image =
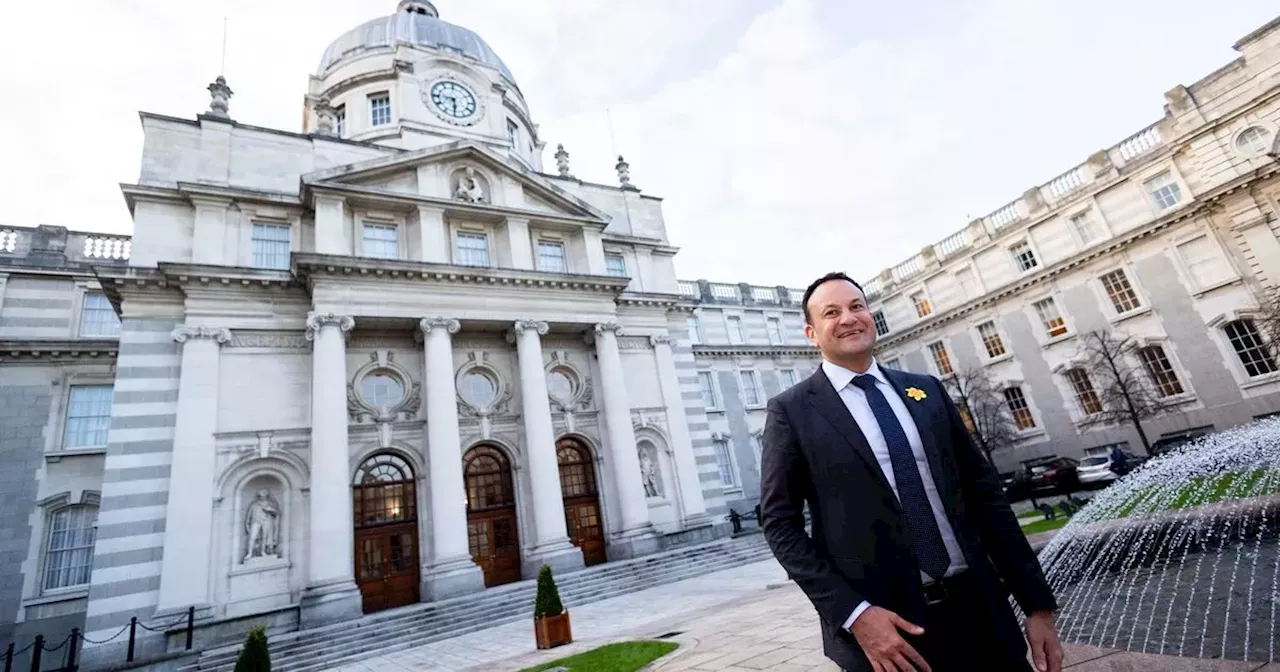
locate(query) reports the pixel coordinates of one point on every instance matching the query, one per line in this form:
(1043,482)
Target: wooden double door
(581,500)
(492,528)
(385,511)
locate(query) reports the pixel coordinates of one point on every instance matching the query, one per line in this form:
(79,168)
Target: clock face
(453,99)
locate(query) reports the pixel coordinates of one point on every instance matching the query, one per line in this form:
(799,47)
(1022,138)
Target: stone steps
(407,627)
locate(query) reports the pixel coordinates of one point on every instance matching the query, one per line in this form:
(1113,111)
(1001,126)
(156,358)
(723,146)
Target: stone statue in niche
(469,187)
(649,472)
(262,527)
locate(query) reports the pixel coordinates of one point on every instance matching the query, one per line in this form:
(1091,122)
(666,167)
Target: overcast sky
(788,137)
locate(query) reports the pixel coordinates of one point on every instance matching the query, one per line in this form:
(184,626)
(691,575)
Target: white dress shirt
(855,399)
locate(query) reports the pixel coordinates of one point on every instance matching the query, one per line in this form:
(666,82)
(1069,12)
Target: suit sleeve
(784,486)
(1001,535)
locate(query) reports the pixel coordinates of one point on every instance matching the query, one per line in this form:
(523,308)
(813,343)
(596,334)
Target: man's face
(842,326)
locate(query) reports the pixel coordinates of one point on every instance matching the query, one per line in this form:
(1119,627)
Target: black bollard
(73,648)
(8,658)
(133,633)
(758,515)
(736,519)
(191,624)
(37,650)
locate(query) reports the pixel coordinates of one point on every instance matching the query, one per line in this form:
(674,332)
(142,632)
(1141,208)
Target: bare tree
(1123,392)
(982,405)
(1267,321)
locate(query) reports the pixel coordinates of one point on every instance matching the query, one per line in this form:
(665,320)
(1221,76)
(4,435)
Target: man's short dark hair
(813,287)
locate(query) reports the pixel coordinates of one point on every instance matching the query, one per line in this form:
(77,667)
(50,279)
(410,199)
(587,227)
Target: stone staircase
(407,627)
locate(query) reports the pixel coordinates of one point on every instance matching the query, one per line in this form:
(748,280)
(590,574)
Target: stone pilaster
(693,509)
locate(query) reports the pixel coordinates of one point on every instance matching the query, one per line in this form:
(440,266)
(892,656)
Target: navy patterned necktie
(925,536)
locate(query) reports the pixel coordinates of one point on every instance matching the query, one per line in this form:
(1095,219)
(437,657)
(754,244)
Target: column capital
(601,327)
(661,339)
(523,325)
(315,321)
(450,325)
(185,333)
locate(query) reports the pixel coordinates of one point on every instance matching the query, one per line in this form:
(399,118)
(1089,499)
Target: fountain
(1182,556)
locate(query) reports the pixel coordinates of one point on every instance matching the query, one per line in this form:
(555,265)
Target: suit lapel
(824,398)
(920,414)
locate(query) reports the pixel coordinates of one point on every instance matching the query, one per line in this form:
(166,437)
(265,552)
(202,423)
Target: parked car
(1096,471)
(1015,484)
(1053,474)
(1170,442)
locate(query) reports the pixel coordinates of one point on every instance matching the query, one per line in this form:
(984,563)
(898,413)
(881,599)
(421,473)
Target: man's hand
(877,633)
(1043,638)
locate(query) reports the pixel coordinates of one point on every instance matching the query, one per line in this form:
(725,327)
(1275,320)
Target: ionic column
(331,592)
(451,571)
(552,545)
(622,438)
(693,507)
(184,568)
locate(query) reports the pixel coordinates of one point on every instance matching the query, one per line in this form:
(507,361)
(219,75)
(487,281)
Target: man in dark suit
(913,549)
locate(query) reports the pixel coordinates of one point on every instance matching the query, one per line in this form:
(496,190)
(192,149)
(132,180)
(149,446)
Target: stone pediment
(460,173)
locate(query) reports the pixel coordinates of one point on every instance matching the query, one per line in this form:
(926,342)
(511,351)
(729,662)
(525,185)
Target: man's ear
(810,334)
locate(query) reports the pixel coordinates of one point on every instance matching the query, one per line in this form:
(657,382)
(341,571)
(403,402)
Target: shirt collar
(840,377)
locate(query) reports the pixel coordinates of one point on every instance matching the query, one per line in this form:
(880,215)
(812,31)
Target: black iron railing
(74,642)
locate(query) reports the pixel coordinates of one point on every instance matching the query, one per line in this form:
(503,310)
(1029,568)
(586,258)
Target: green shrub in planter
(548,602)
(254,657)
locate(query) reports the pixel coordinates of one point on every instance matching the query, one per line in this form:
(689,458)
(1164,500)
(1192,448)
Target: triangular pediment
(461,172)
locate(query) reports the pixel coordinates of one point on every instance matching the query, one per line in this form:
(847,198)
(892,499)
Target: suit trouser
(960,635)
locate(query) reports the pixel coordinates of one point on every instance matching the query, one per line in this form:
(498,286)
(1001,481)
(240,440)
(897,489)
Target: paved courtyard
(748,618)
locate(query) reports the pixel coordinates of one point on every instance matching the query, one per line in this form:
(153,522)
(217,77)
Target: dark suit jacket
(860,548)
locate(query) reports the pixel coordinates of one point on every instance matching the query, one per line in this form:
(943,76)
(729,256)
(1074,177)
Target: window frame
(894,363)
(1093,217)
(1153,194)
(754,376)
(622,261)
(549,243)
(997,335)
(921,302)
(1261,344)
(773,330)
(1139,306)
(373,98)
(940,356)
(1251,152)
(881,323)
(394,227)
(61,441)
(729,321)
(256,225)
(64,506)
(791,374)
(340,120)
(85,294)
(1028,251)
(1088,403)
(1045,332)
(1172,370)
(1026,403)
(460,233)
(729,465)
(693,325)
(714,389)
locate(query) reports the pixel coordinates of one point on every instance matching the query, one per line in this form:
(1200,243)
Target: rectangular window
(1204,262)
(379,109)
(381,241)
(736,336)
(340,120)
(787,377)
(271,246)
(991,339)
(1247,343)
(921,302)
(694,325)
(968,285)
(1086,396)
(1054,325)
(941,359)
(775,330)
(709,398)
(1023,256)
(1017,403)
(615,265)
(473,249)
(1121,293)
(97,317)
(724,460)
(882,325)
(1160,369)
(1164,191)
(88,416)
(551,257)
(513,133)
(1086,229)
(750,390)
(69,560)
(895,364)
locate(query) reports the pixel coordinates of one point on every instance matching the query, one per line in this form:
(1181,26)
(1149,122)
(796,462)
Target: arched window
(488,477)
(383,491)
(577,479)
(69,558)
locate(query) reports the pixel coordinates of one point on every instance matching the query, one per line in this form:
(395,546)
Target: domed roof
(415,22)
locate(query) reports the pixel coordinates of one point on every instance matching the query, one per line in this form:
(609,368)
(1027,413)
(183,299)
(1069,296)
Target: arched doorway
(385,509)
(491,515)
(581,500)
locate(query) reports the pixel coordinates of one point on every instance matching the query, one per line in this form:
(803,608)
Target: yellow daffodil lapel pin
(916,393)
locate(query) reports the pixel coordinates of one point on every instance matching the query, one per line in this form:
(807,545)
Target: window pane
(991,339)
(380,389)
(709,399)
(735,331)
(1024,257)
(1017,404)
(473,249)
(1254,140)
(340,113)
(775,331)
(1249,347)
(1052,320)
(750,392)
(615,265)
(381,241)
(1161,371)
(478,389)
(551,257)
(271,246)
(1085,228)
(724,460)
(1121,293)
(941,359)
(695,329)
(97,317)
(882,325)
(69,557)
(788,378)
(1086,396)
(88,416)
(1164,191)
(923,309)
(379,110)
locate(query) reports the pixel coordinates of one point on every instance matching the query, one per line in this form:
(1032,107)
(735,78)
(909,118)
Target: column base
(329,603)
(451,578)
(561,556)
(635,543)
